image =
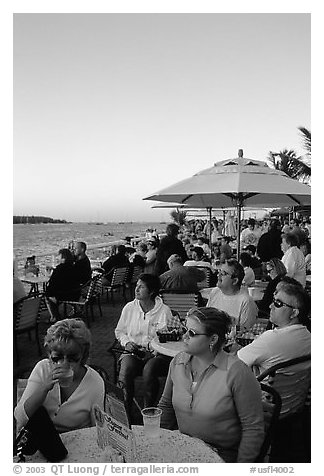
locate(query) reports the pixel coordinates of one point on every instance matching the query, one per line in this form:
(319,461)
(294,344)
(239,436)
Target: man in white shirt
(293,258)
(228,296)
(290,338)
(251,234)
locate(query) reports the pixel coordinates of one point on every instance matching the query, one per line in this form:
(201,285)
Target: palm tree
(179,216)
(307,139)
(287,161)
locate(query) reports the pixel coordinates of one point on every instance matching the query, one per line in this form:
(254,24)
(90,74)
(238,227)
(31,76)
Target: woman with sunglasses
(211,395)
(276,270)
(67,343)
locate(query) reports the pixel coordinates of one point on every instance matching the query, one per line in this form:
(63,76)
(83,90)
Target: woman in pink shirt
(211,395)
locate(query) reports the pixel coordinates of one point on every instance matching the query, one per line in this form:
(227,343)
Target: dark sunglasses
(277,303)
(192,332)
(70,358)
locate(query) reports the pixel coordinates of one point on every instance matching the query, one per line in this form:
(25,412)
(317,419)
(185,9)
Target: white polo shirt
(276,346)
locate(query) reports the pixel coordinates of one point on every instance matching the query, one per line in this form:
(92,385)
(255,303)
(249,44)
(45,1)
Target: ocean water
(29,239)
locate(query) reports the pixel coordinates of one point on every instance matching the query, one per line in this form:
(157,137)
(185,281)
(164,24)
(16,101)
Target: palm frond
(306,138)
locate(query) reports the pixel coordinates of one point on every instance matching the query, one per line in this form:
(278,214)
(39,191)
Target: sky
(109,108)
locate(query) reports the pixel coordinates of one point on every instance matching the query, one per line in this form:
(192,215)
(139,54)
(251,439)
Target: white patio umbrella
(238,182)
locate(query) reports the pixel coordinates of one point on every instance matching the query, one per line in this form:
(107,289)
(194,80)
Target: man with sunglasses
(230,297)
(290,338)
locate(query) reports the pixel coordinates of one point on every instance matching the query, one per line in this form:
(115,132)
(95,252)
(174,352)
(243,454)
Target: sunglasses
(192,333)
(74,358)
(277,303)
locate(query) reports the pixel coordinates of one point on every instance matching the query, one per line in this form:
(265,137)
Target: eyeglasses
(73,358)
(222,272)
(192,332)
(277,303)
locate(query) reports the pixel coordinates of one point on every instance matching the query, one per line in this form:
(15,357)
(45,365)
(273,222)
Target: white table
(169,447)
(167,348)
(34,282)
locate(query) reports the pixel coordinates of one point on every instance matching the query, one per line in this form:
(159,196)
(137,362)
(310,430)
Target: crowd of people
(210,392)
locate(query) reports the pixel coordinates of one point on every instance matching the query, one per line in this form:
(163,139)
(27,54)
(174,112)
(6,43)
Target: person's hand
(131,347)
(51,379)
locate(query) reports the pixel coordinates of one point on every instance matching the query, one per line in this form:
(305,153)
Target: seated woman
(63,284)
(68,344)
(276,271)
(306,250)
(137,326)
(209,394)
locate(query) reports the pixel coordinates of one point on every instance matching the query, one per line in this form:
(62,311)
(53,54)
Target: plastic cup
(151,421)
(65,379)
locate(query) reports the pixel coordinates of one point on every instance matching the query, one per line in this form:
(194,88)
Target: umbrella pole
(210,231)
(239,208)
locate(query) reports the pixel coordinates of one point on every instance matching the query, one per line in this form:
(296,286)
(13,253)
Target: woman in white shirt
(136,328)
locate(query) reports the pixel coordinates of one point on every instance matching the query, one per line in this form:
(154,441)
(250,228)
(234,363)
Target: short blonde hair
(68,330)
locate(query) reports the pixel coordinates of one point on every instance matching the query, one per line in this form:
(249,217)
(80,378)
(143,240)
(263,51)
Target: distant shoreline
(63,222)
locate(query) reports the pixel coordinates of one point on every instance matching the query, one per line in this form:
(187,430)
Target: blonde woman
(70,407)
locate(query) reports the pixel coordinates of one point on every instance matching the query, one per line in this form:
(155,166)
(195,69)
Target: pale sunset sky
(112,107)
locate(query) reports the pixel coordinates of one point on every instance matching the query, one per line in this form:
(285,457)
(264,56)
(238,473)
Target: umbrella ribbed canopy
(250,181)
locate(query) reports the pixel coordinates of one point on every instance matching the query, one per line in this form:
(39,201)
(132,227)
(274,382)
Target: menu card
(114,404)
(113,428)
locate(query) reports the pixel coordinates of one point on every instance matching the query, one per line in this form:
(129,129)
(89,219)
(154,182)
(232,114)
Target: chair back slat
(119,277)
(95,287)
(206,282)
(180,302)
(137,271)
(26,313)
(291,379)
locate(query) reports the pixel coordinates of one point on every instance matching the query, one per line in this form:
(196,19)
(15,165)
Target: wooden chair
(133,278)
(26,314)
(271,403)
(19,387)
(179,301)
(90,296)
(291,379)
(118,281)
